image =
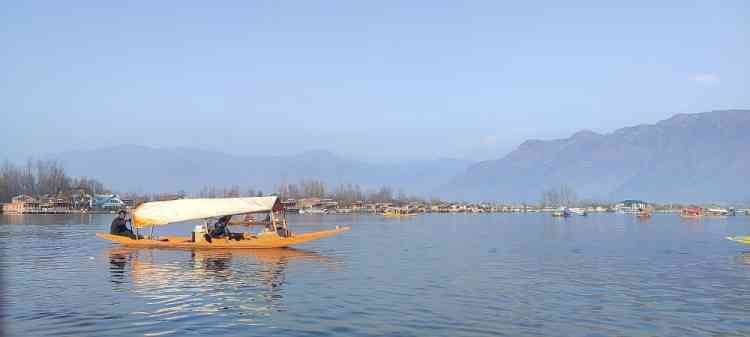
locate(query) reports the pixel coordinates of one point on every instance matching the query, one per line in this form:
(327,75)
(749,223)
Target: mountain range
(141,169)
(701,157)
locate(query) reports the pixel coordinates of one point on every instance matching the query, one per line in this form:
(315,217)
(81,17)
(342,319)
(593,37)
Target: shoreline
(740,212)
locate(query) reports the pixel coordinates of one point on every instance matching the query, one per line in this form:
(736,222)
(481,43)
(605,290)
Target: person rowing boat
(119,226)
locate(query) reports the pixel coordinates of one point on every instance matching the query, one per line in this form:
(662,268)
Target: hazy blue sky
(382,80)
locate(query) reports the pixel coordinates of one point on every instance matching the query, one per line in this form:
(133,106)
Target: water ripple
(457,275)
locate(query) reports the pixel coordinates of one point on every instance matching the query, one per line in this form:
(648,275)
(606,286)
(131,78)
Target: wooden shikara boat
(275,234)
(644,212)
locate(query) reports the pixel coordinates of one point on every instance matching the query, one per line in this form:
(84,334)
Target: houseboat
(691,212)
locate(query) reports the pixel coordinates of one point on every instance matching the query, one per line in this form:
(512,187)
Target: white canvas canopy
(166,212)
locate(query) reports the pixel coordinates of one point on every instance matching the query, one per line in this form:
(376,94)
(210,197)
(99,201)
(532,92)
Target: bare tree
(560,196)
(42,178)
(233,192)
(313,188)
(51,178)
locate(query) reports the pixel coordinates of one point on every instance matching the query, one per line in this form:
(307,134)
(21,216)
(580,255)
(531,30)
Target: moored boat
(691,212)
(646,213)
(314,211)
(578,211)
(631,206)
(562,212)
(292,210)
(397,213)
(715,212)
(275,233)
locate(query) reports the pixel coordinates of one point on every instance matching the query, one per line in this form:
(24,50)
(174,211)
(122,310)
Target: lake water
(433,275)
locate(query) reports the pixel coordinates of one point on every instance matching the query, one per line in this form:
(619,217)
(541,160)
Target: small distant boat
(698,212)
(314,211)
(644,212)
(740,239)
(715,212)
(276,233)
(292,210)
(562,212)
(397,213)
(691,212)
(578,211)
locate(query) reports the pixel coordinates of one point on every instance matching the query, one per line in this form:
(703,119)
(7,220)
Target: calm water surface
(434,275)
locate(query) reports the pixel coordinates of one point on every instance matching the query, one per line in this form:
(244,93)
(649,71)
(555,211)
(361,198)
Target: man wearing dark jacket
(119,226)
(220,227)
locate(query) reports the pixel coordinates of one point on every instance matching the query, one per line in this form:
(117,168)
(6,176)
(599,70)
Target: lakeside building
(54,204)
(21,204)
(315,204)
(25,204)
(80,200)
(328,204)
(305,203)
(107,202)
(75,202)
(357,206)
(290,205)
(631,206)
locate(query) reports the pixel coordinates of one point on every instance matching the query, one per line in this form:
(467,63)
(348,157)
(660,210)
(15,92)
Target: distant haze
(377,81)
(700,157)
(131,168)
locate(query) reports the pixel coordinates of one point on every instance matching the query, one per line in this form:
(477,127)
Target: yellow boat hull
(740,239)
(268,240)
(398,215)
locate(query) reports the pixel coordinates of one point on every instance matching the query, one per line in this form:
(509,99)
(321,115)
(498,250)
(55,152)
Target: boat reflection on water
(643,219)
(743,258)
(245,283)
(118,262)
(695,225)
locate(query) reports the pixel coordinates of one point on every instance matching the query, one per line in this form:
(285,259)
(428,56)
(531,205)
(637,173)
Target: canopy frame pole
(130,220)
(133,227)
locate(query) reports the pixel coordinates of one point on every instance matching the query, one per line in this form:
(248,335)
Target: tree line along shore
(43,186)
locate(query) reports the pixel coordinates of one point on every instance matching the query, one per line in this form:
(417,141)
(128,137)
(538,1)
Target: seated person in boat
(270,225)
(281,228)
(220,228)
(119,226)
